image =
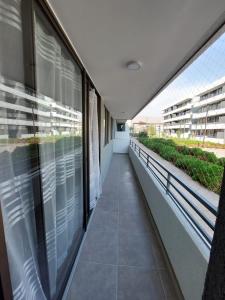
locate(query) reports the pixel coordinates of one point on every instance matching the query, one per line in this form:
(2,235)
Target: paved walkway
(218,152)
(121,257)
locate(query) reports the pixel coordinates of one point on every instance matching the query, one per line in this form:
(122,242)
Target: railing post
(147,161)
(135,147)
(139,152)
(168,183)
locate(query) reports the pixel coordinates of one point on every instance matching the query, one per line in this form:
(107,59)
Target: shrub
(183,149)
(208,174)
(222,161)
(201,166)
(142,134)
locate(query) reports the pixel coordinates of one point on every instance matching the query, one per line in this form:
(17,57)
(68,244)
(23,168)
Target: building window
(212,93)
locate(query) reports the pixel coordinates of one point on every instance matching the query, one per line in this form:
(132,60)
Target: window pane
(58,117)
(18,157)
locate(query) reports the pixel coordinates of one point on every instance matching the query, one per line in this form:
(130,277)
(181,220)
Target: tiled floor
(121,258)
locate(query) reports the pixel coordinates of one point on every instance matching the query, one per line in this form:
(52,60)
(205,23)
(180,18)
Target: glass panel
(18,157)
(58,118)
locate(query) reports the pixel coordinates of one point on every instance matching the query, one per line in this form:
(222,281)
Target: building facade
(201,117)
(150,128)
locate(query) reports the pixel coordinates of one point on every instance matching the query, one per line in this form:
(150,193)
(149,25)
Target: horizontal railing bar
(202,200)
(146,158)
(164,176)
(208,222)
(190,220)
(180,206)
(157,177)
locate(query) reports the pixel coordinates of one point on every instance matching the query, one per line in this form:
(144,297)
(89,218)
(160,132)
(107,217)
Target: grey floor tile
(139,284)
(135,221)
(108,203)
(109,191)
(121,257)
(104,220)
(100,246)
(132,205)
(135,249)
(93,282)
(124,193)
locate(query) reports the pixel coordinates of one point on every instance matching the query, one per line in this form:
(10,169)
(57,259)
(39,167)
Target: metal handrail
(154,166)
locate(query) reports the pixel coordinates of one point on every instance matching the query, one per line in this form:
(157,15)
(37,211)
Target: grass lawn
(195,143)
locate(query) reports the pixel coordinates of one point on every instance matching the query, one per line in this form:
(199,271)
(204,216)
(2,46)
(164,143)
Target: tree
(151,130)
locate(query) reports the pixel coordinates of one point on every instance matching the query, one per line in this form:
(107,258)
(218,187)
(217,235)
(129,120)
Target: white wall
(186,251)
(121,142)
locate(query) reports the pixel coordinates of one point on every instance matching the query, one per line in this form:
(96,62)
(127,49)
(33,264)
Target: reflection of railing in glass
(58,132)
(60,120)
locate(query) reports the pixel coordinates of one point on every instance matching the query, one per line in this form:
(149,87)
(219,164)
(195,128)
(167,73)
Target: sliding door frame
(99,109)
(30,83)
(65,271)
(5,281)
(86,177)
(27,11)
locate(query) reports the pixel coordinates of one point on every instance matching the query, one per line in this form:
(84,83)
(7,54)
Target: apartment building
(208,118)
(201,117)
(148,127)
(177,118)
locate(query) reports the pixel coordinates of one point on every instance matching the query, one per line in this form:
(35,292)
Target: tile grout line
(157,270)
(124,265)
(118,187)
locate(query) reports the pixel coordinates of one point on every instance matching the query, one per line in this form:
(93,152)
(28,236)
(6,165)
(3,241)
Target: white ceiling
(162,34)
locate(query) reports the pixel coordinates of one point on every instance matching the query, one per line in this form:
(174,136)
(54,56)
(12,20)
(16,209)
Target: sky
(207,68)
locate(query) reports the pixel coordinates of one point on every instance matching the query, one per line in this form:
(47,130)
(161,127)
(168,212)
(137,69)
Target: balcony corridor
(121,257)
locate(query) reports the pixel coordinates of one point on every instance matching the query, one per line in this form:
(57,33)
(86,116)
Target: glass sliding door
(41,154)
(18,160)
(58,119)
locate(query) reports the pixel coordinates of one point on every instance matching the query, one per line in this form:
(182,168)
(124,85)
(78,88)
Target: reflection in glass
(17,152)
(58,119)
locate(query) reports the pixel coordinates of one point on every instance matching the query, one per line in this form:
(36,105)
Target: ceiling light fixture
(134,65)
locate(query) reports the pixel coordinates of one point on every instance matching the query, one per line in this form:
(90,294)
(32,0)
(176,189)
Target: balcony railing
(197,210)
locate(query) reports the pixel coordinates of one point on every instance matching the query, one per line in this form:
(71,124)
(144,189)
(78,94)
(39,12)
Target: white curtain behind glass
(16,172)
(95,178)
(17,203)
(59,79)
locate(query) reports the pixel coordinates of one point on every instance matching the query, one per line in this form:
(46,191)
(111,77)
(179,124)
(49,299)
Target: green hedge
(202,166)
